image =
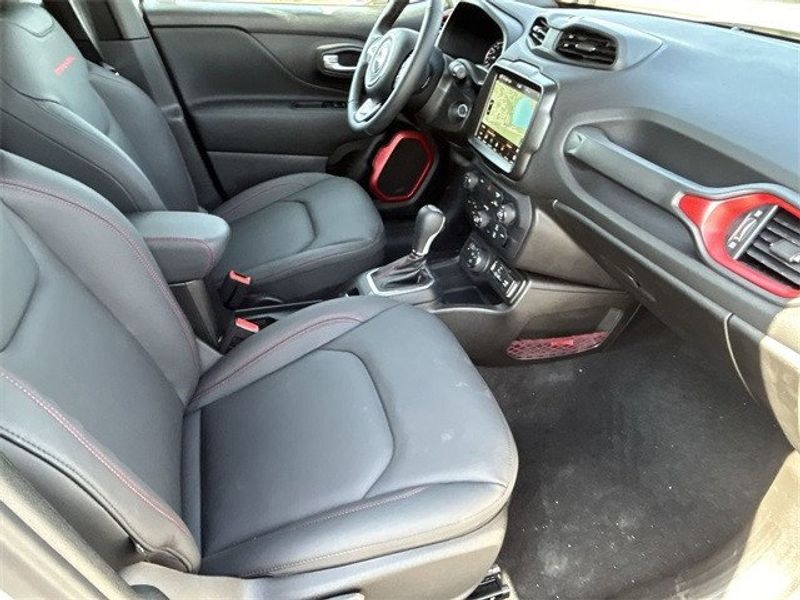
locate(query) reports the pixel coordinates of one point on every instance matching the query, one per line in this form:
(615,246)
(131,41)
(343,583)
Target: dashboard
(667,150)
(471,33)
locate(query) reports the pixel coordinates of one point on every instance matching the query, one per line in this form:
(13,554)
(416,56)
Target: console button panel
(503,279)
(500,217)
(475,258)
(482,263)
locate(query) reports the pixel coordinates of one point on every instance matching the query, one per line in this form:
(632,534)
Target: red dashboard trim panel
(714,219)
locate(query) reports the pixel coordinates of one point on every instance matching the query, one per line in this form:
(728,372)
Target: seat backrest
(80,119)
(97,363)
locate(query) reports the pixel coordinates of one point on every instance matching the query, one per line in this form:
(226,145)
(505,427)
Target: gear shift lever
(410,269)
(430,222)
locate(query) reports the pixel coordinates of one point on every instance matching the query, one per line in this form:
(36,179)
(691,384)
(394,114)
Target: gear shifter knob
(430,222)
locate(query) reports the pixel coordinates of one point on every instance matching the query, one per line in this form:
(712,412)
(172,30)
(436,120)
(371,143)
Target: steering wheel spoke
(368,109)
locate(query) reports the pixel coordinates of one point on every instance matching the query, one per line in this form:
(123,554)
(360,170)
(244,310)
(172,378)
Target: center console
(501,221)
(504,295)
(519,288)
(515,102)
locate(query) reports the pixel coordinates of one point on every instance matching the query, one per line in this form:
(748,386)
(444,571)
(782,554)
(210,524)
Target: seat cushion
(356,428)
(301,235)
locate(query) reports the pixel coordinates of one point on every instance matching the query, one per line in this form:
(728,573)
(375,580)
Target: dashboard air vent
(587,46)
(776,249)
(538,31)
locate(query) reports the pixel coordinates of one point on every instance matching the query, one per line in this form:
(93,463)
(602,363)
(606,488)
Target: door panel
(254,84)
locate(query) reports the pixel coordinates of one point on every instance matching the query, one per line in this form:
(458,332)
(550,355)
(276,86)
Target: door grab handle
(331,62)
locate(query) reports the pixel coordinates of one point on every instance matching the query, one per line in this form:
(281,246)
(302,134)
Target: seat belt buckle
(239,329)
(234,289)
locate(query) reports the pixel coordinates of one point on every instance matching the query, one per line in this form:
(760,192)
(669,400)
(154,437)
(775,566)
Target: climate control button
(471,181)
(506,214)
(481,219)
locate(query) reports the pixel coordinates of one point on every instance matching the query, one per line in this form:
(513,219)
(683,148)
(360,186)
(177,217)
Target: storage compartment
(464,295)
(679,153)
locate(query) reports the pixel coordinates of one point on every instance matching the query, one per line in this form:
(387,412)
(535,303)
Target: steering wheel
(391,67)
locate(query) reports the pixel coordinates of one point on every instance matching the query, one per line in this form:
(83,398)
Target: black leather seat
(297,236)
(352,446)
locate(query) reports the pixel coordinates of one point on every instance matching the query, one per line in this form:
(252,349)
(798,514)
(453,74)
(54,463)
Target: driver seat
(298,237)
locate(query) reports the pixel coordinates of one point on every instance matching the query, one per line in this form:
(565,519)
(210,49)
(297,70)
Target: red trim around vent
(714,219)
(382,158)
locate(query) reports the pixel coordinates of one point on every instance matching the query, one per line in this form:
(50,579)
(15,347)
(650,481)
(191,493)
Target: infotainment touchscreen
(507,117)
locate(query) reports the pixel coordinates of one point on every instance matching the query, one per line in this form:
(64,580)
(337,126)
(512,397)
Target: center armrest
(186,245)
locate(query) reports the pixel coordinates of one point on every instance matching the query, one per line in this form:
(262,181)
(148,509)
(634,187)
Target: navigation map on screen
(508,116)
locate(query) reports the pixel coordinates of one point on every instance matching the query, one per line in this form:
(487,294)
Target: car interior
(342,300)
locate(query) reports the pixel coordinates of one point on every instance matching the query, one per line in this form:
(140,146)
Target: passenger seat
(351,447)
(299,237)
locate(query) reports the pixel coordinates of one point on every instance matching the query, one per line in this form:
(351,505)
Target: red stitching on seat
(96,452)
(264,352)
(228,210)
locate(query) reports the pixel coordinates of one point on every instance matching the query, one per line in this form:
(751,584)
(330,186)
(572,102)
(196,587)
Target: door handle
(331,62)
(338,60)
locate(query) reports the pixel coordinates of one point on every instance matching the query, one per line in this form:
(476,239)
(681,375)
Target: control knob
(506,214)
(476,259)
(471,181)
(481,219)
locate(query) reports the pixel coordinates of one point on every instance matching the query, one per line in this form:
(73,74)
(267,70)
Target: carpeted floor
(634,464)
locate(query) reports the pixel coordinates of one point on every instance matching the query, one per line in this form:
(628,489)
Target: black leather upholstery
(355,429)
(97,365)
(186,245)
(312,232)
(97,127)
(395,441)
